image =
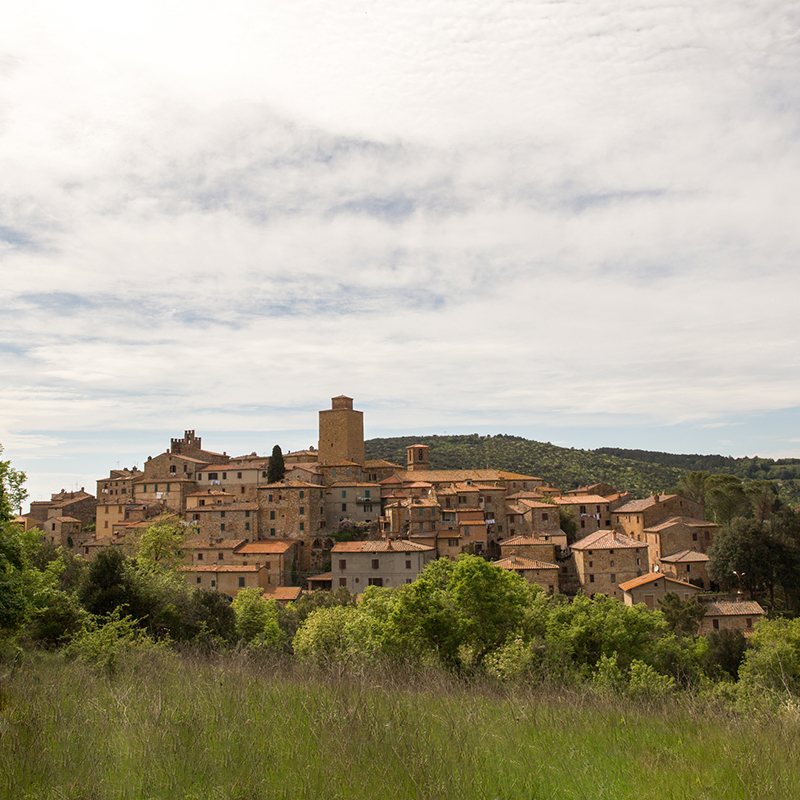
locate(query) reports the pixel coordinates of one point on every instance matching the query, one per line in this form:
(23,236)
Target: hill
(640,472)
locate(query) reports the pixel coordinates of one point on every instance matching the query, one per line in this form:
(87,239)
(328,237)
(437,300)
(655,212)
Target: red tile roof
(607,540)
(654,576)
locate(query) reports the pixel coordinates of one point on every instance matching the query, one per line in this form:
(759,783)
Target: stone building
(357,565)
(539,573)
(651,588)
(605,559)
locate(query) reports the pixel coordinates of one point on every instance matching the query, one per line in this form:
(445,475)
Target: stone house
(651,588)
(687,565)
(605,559)
(276,557)
(228,580)
(225,520)
(634,516)
(357,565)
(742,615)
(676,534)
(539,573)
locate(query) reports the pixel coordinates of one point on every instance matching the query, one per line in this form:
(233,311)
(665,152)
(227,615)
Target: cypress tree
(277,469)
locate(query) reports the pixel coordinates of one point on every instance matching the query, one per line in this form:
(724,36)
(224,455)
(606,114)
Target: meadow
(248,726)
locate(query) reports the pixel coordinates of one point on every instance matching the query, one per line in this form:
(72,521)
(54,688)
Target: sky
(574,222)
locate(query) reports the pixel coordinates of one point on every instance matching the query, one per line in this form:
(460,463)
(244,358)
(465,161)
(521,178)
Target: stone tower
(418,458)
(341,433)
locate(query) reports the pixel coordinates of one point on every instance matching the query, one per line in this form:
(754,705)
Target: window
(213,582)
(241,582)
(367,508)
(239,475)
(583,509)
(408,563)
(199,556)
(488,498)
(694,537)
(591,563)
(342,581)
(344,493)
(716,624)
(376,563)
(172,469)
(263,474)
(302,510)
(613,577)
(348,473)
(241,490)
(302,526)
(224,476)
(583,523)
(270,498)
(302,493)
(545,517)
(221,556)
(246,514)
(222,514)
(212,476)
(375,581)
(106,507)
(272,531)
(342,564)
(105,525)
(591,579)
(247,526)
(272,514)
(748,622)
(612,562)
(462,499)
(198,579)
(344,506)
(366,494)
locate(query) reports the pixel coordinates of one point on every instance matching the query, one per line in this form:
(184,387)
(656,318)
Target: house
(228,580)
(357,565)
(634,516)
(676,534)
(687,565)
(604,559)
(651,588)
(539,573)
(277,557)
(741,615)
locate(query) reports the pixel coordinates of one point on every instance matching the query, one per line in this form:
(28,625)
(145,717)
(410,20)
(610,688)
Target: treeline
(637,471)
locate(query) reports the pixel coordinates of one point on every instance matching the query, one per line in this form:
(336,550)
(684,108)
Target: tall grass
(235,728)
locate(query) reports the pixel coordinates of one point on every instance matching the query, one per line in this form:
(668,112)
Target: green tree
(692,486)
(257,619)
(161,544)
(682,616)
(725,498)
(277,469)
(12,490)
(742,554)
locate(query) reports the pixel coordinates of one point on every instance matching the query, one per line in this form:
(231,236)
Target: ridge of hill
(640,472)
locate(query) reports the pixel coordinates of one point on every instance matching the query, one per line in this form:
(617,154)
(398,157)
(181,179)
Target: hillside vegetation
(638,471)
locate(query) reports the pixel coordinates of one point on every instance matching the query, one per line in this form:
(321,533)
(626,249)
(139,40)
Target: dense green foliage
(277,468)
(12,490)
(635,471)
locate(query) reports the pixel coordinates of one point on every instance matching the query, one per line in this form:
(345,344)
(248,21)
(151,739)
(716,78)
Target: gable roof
(380,546)
(607,540)
(516,562)
(684,556)
(632,506)
(654,576)
(739,608)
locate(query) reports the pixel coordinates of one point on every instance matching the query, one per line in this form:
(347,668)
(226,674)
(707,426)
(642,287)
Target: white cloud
(459,211)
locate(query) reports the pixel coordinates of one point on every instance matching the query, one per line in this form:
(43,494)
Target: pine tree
(277,469)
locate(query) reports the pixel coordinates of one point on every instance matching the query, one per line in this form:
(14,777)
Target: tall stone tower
(341,432)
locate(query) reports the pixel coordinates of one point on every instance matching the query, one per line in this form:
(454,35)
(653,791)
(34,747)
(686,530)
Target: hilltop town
(336,519)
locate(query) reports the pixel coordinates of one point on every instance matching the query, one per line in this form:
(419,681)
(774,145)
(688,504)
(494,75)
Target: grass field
(236,728)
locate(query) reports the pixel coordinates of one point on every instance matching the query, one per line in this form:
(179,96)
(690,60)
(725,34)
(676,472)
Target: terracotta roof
(654,576)
(524,540)
(581,500)
(380,546)
(211,493)
(378,463)
(684,556)
(285,593)
(607,540)
(264,547)
(63,519)
(203,544)
(536,504)
(323,576)
(218,568)
(725,608)
(640,505)
(515,562)
(290,484)
(690,522)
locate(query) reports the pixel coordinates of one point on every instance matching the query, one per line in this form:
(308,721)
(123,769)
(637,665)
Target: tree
(725,498)
(12,491)
(693,487)
(682,616)
(277,469)
(161,544)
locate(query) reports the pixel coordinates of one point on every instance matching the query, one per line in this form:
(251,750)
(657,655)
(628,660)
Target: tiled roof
(203,544)
(290,484)
(683,556)
(515,562)
(524,540)
(380,546)
(283,593)
(725,608)
(218,568)
(690,522)
(210,493)
(379,463)
(633,506)
(581,500)
(654,576)
(264,547)
(607,540)
(537,504)
(63,519)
